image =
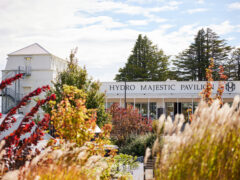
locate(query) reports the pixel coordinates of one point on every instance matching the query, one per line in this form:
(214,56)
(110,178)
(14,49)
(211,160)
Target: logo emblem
(230,86)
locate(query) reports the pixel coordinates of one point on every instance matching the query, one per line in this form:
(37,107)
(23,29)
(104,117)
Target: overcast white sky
(105,30)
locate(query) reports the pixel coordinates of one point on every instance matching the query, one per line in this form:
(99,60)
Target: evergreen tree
(77,76)
(184,67)
(146,63)
(234,65)
(191,64)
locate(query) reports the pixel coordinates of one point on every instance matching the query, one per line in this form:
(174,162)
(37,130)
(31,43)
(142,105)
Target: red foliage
(9,119)
(27,123)
(128,121)
(9,81)
(17,149)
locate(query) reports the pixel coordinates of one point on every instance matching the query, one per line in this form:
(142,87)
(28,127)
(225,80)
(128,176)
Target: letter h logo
(230,86)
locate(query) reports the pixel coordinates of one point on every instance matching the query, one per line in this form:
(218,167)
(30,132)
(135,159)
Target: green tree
(74,75)
(146,63)
(191,64)
(233,67)
(184,68)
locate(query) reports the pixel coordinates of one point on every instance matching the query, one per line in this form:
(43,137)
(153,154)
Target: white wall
(37,62)
(44,69)
(36,80)
(58,64)
(165,89)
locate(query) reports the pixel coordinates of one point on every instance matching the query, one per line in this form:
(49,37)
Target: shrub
(123,165)
(17,148)
(127,121)
(73,123)
(136,145)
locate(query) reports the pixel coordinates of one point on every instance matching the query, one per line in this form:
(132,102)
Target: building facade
(152,98)
(167,97)
(39,68)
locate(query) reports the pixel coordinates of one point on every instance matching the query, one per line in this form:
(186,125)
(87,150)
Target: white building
(39,67)
(152,98)
(166,97)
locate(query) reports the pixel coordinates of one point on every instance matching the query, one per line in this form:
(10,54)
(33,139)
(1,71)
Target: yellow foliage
(79,155)
(71,119)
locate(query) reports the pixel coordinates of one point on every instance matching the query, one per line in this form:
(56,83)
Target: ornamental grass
(206,148)
(65,162)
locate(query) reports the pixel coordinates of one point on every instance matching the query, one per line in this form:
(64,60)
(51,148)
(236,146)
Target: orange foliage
(207,91)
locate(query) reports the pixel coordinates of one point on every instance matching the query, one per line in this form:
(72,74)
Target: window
(143,109)
(170,109)
(153,113)
(185,107)
(28,61)
(28,58)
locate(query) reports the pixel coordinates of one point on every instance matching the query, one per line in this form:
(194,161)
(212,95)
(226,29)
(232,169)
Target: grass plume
(208,148)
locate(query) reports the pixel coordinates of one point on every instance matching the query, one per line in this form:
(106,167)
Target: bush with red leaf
(9,81)
(128,121)
(18,149)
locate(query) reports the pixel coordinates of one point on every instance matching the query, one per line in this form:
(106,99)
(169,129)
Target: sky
(105,31)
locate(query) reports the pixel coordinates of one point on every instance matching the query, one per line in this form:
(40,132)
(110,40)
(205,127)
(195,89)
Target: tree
(76,123)
(191,64)
(77,76)
(184,67)
(233,66)
(73,123)
(146,63)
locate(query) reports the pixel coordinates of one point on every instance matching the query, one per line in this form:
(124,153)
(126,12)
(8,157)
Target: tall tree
(233,66)
(146,63)
(192,62)
(76,76)
(184,67)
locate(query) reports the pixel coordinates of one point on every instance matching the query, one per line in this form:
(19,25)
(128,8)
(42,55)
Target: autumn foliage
(17,149)
(75,123)
(128,121)
(9,81)
(71,119)
(79,154)
(207,91)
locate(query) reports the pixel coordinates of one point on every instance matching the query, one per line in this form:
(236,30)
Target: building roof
(33,49)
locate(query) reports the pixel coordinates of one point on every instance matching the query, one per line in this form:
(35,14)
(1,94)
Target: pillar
(134,103)
(148,109)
